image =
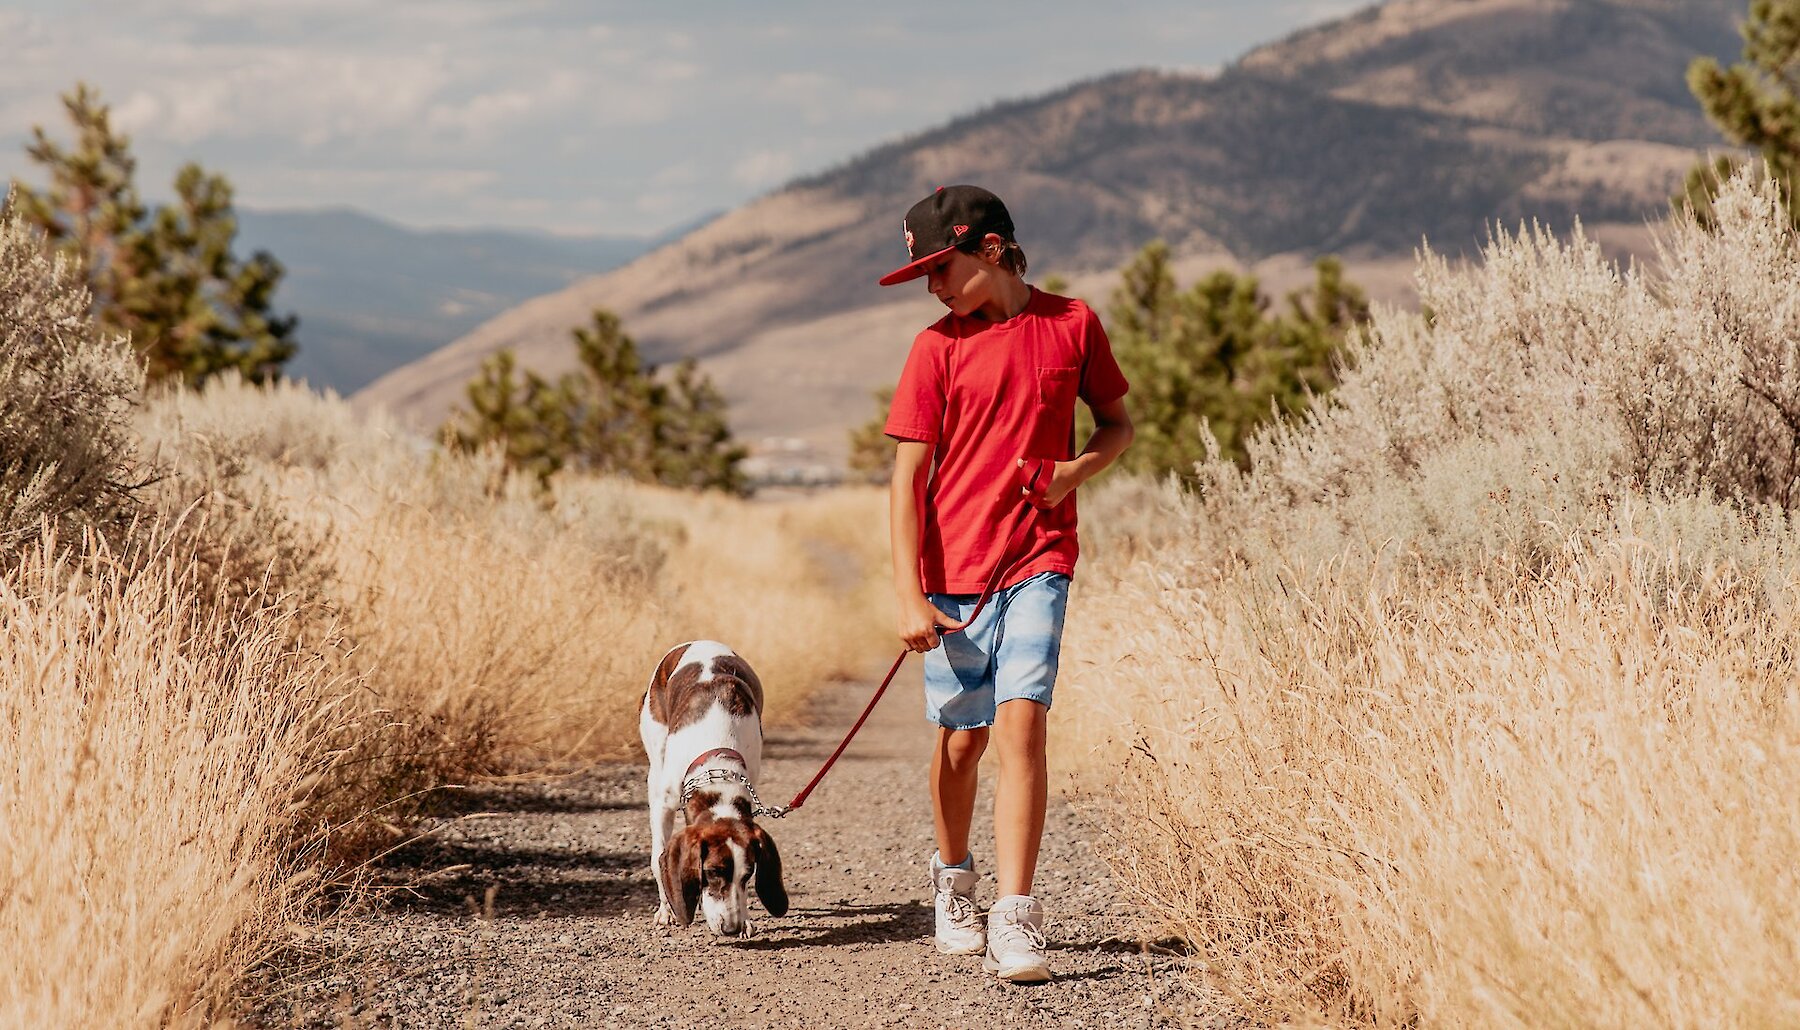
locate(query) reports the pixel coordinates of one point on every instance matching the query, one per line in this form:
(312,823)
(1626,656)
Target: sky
(571,116)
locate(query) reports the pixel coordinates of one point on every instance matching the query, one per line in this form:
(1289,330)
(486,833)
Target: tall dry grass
(316,622)
(1473,702)
(157,753)
(504,631)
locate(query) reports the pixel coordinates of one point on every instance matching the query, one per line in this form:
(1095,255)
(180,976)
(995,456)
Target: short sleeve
(918,410)
(1101,380)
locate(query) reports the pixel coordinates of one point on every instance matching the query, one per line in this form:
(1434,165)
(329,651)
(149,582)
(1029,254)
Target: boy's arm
(919,620)
(1112,434)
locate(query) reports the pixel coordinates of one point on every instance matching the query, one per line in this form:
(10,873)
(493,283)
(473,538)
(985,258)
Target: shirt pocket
(1056,387)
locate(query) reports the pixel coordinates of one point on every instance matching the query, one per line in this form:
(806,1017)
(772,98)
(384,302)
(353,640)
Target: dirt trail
(567,939)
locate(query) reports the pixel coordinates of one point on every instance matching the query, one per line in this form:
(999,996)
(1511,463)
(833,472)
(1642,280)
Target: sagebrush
(1457,706)
(67,455)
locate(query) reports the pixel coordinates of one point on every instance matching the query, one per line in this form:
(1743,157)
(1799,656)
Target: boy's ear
(769,888)
(992,246)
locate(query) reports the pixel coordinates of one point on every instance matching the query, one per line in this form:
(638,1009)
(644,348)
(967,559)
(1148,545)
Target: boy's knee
(1021,719)
(964,748)
(1019,731)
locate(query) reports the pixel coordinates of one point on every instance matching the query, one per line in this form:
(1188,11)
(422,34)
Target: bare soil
(531,905)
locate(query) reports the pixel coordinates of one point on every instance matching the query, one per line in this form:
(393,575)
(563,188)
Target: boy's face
(964,283)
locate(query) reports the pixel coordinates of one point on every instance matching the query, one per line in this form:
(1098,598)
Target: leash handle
(1033,472)
(1038,472)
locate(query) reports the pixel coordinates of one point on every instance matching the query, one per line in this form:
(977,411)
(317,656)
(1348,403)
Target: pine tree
(168,278)
(693,446)
(614,401)
(614,415)
(1214,355)
(527,421)
(1755,103)
(871,450)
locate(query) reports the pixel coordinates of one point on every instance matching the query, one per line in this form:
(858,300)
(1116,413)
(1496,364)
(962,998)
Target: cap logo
(909,240)
(962,230)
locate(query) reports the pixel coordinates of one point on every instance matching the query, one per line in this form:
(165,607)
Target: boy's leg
(954,765)
(1027,652)
(959,697)
(960,929)
(1021,794)
(1027,648)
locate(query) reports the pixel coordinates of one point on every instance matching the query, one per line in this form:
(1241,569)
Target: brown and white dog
(702,730)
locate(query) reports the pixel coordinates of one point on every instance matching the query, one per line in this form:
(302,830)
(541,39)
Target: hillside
(1418,119)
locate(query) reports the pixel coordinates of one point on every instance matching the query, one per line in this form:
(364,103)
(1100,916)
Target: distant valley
(373,296)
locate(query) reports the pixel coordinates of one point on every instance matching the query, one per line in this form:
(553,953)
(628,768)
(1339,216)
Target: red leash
(1034,498)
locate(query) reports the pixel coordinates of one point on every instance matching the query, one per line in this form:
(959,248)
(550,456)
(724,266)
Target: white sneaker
(959,928)
(1016,943)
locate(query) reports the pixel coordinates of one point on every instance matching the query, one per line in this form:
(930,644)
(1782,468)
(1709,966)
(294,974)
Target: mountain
(1417,119)
(373,296)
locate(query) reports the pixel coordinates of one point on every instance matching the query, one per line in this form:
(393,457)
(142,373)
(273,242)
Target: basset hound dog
(702,730)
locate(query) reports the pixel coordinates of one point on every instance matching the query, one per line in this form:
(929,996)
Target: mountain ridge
(1321,142)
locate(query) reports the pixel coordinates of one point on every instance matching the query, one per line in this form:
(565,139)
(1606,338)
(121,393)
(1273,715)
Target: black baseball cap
(949,218)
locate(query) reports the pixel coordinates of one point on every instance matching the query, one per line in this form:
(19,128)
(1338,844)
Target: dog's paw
(665,916)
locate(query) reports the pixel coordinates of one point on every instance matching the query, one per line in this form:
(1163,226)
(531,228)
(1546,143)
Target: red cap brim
(912,271)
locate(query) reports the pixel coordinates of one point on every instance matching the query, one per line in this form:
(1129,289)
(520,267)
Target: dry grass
(1483,800)
(1465,707)
(327,621)
(507,634)
(158,750)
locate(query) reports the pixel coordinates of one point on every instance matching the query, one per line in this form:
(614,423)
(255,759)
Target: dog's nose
(732,931)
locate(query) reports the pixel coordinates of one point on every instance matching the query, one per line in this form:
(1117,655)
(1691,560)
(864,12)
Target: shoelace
(959,907)
(1014,925)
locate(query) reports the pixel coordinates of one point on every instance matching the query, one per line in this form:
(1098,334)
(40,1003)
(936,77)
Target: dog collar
(694,781)
(718,752)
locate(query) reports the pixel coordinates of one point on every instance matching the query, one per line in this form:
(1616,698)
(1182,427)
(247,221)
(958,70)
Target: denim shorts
(1010,652)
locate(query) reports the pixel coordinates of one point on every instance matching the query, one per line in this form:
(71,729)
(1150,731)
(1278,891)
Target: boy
(990,384)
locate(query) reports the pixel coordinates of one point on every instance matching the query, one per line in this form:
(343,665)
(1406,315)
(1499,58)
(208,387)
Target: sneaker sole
(1018,975)
(967,949)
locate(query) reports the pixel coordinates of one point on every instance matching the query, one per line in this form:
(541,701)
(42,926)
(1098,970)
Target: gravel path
(532,908)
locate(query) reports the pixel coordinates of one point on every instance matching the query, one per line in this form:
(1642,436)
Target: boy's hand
(1064,478)
(920,621)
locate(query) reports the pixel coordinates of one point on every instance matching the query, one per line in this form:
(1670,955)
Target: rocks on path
(532,908)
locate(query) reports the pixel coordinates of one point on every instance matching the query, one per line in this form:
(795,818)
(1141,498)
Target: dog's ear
(681,862)
(768,873)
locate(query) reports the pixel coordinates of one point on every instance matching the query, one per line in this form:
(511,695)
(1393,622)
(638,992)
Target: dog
(702,729)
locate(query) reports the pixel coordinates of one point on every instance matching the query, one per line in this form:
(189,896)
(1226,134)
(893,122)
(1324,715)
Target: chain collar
(706,776)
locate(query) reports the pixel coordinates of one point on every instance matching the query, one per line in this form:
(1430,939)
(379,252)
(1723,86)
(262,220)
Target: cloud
(626,117)
(684,173)
(487,114)
(760,169)
(292,188)
(21,31)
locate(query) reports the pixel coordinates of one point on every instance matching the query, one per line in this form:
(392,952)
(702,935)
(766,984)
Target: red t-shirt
(988,394)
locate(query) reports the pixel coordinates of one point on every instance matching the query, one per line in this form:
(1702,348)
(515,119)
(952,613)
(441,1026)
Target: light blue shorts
(1010,652)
